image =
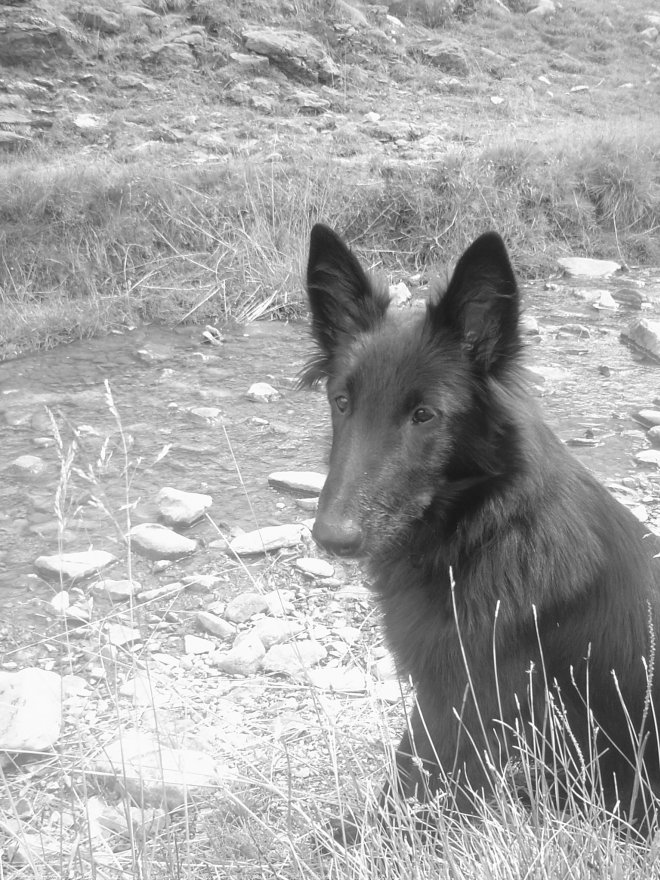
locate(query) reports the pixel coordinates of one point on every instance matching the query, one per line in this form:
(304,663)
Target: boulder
(297,54)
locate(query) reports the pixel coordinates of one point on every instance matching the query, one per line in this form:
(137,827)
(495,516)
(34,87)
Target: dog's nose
(344,538)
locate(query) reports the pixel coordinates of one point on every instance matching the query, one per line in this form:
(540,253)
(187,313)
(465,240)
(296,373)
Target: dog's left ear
(482,305)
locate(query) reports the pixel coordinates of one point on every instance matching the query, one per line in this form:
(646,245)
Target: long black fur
(441,466)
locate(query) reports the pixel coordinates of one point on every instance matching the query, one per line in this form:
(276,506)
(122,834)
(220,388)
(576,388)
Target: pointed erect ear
(343,300)
(481,305)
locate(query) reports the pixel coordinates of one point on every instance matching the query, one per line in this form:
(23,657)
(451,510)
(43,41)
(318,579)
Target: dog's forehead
(401,354)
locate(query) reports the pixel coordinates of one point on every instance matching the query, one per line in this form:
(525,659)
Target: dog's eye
(341,402)
(422,414)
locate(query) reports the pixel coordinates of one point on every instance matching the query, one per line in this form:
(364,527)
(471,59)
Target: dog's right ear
(342,298)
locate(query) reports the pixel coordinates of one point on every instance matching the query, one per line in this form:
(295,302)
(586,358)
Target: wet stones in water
(158,542)
(648,457)
(268,539)
(649,417)
(653,435)
(298,481)
(31,716)
(28,466)
(73,566)
(262,392)
(177,508)
(645,337)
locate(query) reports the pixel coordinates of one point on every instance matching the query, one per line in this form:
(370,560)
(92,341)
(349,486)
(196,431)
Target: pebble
(340,680)
(315,567)
(298,481)
(244,606)
(653,435)
(121,635)
(244,658)
(196,645)
(294,658)
(268,539)
(28,465)
(215,625)
(158,542)
(262,392)
(181,508)
(273,631)
(75,565)
(116,590)
(279,602)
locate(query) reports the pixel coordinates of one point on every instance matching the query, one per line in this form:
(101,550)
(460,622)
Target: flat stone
(75,565)
(585,267)
(648,456)
(158,542)
(28,465)
(215,625)
(176,507)
(30,710)
(262,392)
(154,773)
(196,645)
(269,538)
(244,606)
(294,658)
(314,567)
(273,631)
(298,481)
(644,336)
(116,590)
(120,635)
(244,658)
(340,680)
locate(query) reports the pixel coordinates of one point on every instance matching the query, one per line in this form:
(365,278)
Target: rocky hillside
(210,78)
(164,159)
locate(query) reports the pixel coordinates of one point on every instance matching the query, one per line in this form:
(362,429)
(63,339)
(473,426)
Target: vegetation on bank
(91,243)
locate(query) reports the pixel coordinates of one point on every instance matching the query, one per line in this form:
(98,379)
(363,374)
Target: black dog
(507,575)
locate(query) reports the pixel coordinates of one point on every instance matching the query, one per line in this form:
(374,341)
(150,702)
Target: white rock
(215,625)
(29,465)
(244,606)
(154,773)
(648,456)
(606,302)
(30,710)
(584,267)
(244,658)
(294,658)
(279,602)
(298,481)
(385,668)
(181,508)
(158,542)
(315,567)
(60,602)
(645,336)
(262,392)
(75,565)
(400,294)
(210,414)
(269,538)
(274,631)
(340,680)
(196,645)
(116,590)
(119,634)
